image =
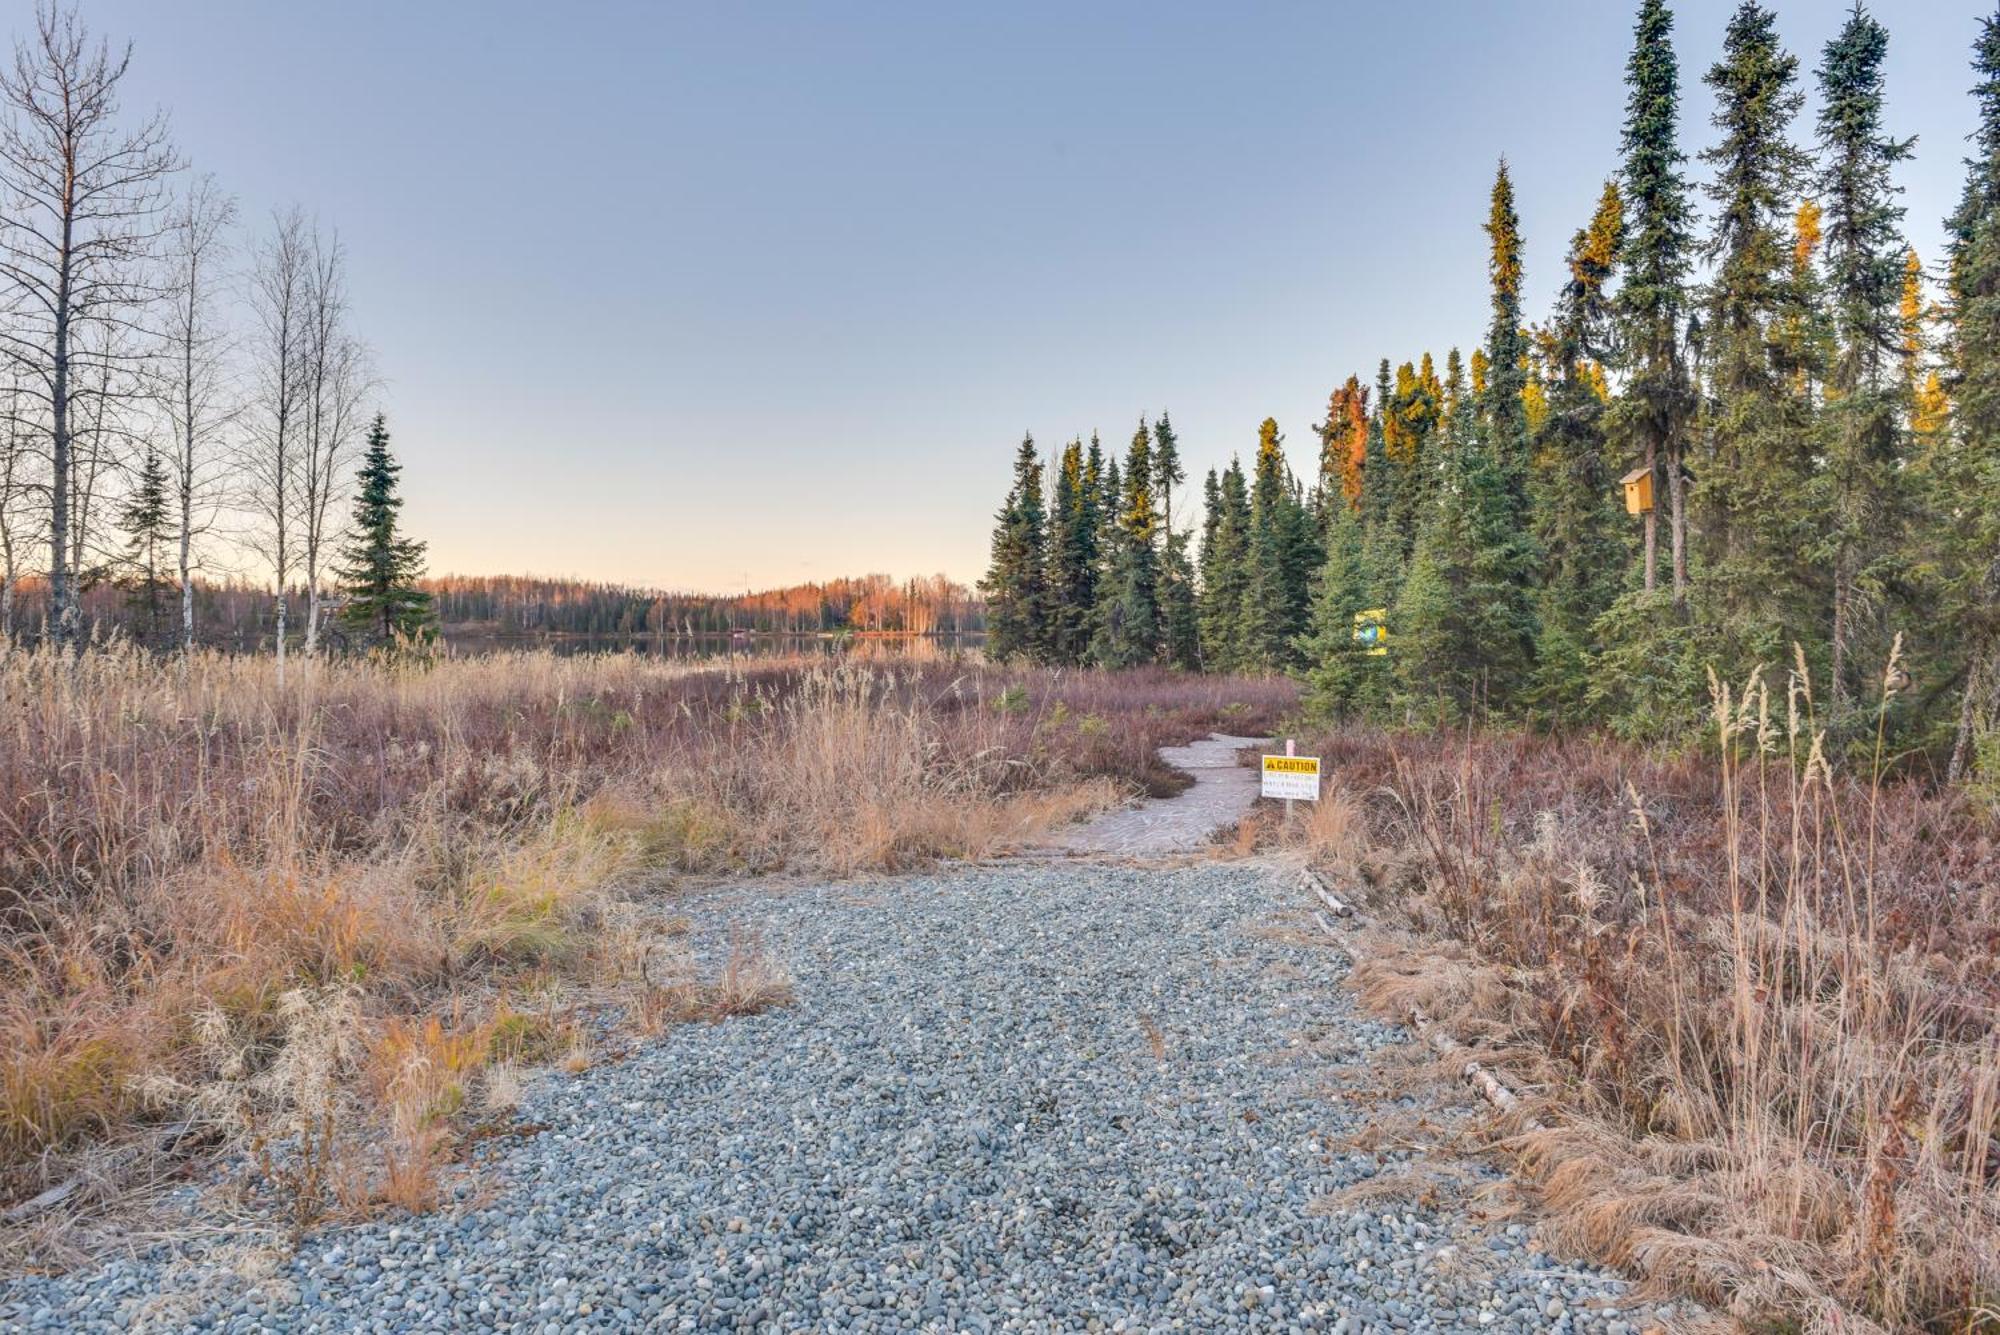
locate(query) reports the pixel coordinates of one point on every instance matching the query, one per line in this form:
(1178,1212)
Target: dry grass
(312,921)
(1757,999)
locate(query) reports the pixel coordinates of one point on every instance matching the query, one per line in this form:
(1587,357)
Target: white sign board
(1292,777)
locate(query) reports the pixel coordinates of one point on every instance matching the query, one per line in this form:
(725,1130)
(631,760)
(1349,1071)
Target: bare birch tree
(82,198)
(107,382)
(334,379)
(20,512)
(191,380)
(279,284)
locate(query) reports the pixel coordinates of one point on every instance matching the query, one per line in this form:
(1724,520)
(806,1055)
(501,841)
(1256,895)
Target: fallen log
(164,1140)
(1491,1087)
(48,1200)
(1339,907)
(1474,1073)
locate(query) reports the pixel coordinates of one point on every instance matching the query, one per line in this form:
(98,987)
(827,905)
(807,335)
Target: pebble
(959,1124)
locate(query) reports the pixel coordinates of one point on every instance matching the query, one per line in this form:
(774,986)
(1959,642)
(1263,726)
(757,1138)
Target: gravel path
(1046,1097)
(1222,794)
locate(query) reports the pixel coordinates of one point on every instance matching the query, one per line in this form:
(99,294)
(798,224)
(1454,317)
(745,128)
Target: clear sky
(701,295)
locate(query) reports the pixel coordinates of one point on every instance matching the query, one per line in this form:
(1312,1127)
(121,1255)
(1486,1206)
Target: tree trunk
(1652,519)
(1677,522)
(281,633)
(62,594)
(187,586)
(1843,601)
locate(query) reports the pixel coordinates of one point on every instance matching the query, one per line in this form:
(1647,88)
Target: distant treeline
(525,605)
(239,614)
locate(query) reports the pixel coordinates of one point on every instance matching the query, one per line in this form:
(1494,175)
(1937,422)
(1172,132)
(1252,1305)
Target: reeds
(283,914)
(1766,995)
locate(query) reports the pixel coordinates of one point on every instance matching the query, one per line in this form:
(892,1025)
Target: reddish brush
(1768,994)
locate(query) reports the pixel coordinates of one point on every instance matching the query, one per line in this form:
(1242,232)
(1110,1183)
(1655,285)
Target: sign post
(1292,777)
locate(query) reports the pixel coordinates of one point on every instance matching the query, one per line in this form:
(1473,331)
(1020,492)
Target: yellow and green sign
(1371,630)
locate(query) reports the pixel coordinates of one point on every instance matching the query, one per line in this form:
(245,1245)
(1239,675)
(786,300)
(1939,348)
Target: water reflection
(917,648)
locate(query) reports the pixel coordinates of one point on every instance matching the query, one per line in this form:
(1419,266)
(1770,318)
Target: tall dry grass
(239,913)
(1765,995)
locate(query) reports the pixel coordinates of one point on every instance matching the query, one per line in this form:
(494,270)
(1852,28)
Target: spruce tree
(147,521)
(1652,300)
(1462,632)
(1225,582)
(1343,677)
(1578,521)
(1109,505)
(1072,562)
(1128,623)
(1756,528)
(380,567)
(1463,629)
(1016,586)
(1860,486)
(1968,488)
(1211,520)
(1506,345)
(1282,558)
(1383,556)
(1180,636)
(1419,411)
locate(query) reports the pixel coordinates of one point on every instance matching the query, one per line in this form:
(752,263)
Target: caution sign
(1371,630)
(1292,777)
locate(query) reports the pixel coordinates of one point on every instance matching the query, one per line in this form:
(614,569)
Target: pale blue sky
(695,294)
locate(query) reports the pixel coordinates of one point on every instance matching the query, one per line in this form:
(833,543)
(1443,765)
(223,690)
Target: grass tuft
(1755,999)
(309,919)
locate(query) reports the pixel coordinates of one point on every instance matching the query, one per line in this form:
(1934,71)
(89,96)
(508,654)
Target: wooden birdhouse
(1638,491)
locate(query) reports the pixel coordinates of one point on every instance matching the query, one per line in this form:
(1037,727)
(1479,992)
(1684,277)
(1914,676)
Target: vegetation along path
(1039,1096)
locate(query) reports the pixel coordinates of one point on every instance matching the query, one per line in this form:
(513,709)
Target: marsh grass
(1756,998)
(311,919)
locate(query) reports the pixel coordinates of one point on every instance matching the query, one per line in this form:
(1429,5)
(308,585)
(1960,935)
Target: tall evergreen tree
(1211,520)
(1110,503)
(1755,524)
(1506,343)
(148,523)
(1462,631)
(1016,585)
(1072,565)
(1969,486)
(1343,676)
(1282,558)
(1128,622)
(1652,300)
(1418,413)
(1225,575)
(380,567)
(1180,636)
(1861,483)
(1577,517)
(1383,555)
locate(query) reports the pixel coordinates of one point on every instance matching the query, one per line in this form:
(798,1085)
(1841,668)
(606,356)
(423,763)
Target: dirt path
(1222,794)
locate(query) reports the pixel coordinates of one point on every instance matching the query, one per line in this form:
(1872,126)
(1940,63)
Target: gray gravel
(960,1124)
(1223,792)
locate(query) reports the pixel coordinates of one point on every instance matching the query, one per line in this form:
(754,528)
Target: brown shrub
(1765,997)
(264,908)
